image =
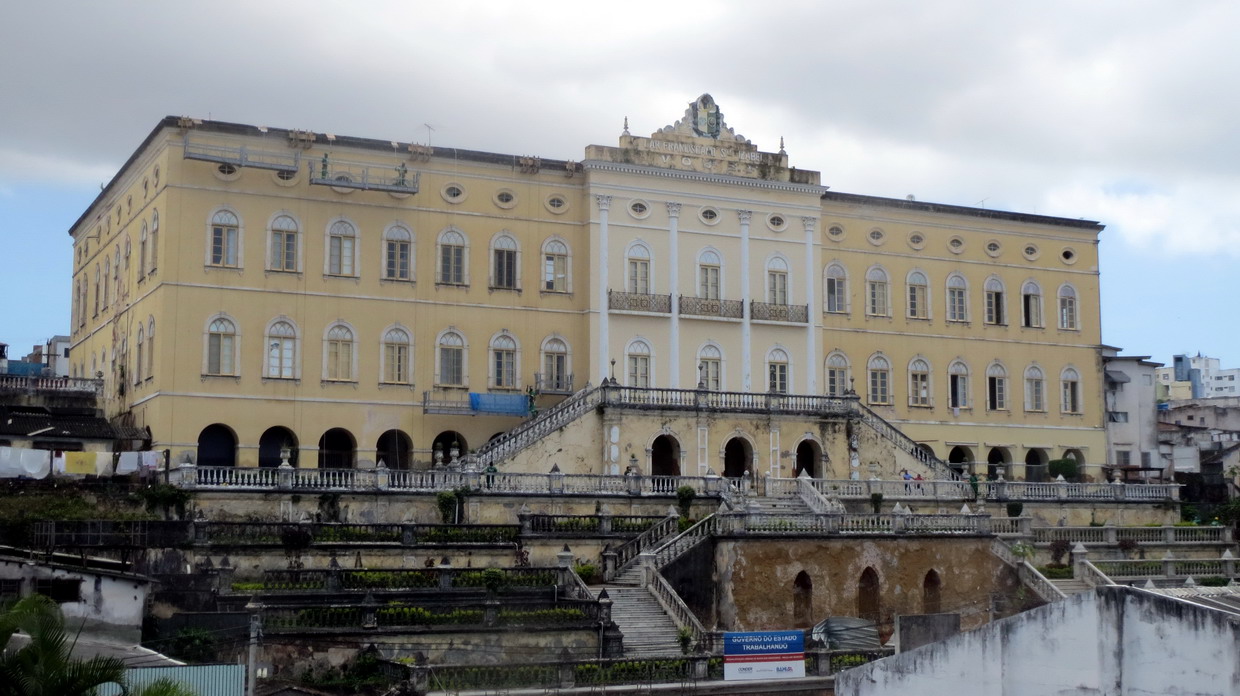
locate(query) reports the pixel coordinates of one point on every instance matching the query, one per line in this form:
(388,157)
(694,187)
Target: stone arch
(997,457)
(272,441)
(1075,455)
(442,445)
(395,449)
(959,455)
(217,446)
(337,449)
(808,459)
(665,455)
(932,593)
(737,456)
(1036,461)
(869,599)
(802,601)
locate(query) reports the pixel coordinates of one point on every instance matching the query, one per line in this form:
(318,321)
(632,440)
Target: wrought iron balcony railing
(704,307)
(639,302)
(765,311)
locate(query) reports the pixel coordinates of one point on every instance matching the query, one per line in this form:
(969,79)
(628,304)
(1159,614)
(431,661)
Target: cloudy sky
(1123,112)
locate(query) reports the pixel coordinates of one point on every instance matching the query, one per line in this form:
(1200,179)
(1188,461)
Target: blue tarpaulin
(511,404)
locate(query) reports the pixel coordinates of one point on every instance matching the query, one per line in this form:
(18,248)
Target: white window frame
(710,366)
(452,238)
(556,252)
(778,371)
(877,292)
(919,390)
(1070,391)
(996,302)
(150,347)
(710,275)
(399,339)
(835,289)
(235,242)
(339,335)
(958,385)
(997,375)
(1031,316)
(878,380)
(279,344)
(1035,389)
(507,245)
(918,296)
(278,258)
(504,362)
(349,253)
(639,267)
(638,364)
(1069,317)
(154,250)
(778,281)
(957,294)
(451,339)
(836,372)
(549,351)
(395,237)
(233,347)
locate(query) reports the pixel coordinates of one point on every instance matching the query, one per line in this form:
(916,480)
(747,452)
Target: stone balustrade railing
(1029,576)
(1169,567)
(50,384)
(675,607)
(1111,536)
(616,561)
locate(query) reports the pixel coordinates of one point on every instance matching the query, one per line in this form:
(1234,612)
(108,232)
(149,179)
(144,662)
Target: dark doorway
(273,440)
(443,444)
(394,449)
(998,457)
(737,457)
(931,594)
(1036,465)
(337,449)
(959,458)
(868,606)
(802,601)
(665,456)
(808,456)
(217,446)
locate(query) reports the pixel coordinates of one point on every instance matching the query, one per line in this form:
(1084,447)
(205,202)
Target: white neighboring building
(1197,377)
(1132,419)
(1113,641)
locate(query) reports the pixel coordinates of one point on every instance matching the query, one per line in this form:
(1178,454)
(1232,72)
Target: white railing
(54,384)
(682,543)
(535,429)
(904,442)
(816,501)
(1088,573)
(242,156)
(236,477)
(1027,573)
(674,606)
(1143,535)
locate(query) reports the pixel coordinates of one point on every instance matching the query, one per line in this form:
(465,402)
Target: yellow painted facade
(241,291)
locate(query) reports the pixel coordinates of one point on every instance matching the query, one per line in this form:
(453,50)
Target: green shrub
(588,572)
(1062,467)
(447,503)
(1014,509)
(1059,549)
(684,499)
(1214,581)
(1056,571)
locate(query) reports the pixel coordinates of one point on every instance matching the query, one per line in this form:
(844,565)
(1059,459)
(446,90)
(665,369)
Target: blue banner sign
(764,655)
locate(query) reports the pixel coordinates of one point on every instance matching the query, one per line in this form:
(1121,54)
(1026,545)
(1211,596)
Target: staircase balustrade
(1028,575)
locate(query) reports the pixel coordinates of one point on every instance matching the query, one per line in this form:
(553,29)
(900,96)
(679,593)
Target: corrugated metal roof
(202,680)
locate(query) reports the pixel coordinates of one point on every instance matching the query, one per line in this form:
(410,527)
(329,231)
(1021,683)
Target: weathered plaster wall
(756,577)
(1113,642)
(108,603)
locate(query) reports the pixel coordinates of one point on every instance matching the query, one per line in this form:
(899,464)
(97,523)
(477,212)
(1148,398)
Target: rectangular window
(996,393)
(880,392)
(340,251)
(876,304)
(917,308)
(452,264)
(395,361)
(283,250)
(223,246)
(777,285)
(280,358)
(1067,313)
(451,365)
(710,374)
(837,381)
(340,360)
(777,378)
(708,287)
(639,277)
(1036,399)
(505,269)
(397,261)
(958,391)
(1145,459)
(639,371)
(1071,396)
(219,354)
(555,371)
(994,307)
(1123,458)
(957,309)
(505,369)
(555,273)
(1031,311)
(919,389)
(836,295)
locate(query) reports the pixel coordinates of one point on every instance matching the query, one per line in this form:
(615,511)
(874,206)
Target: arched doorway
(737,457)
(443,444)
(997,457)
(665,456)
(217,446)
(959,458)
(868,606)
(931,593)
(273,440)
(802,601)
(337,449)
(1036,468)
(808,456)
(394,449)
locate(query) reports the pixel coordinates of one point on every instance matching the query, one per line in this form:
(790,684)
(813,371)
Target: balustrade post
(383,476)
(897,523)
(1228,535)
(490,612)
(714,484)
(555,480)
(604,520)
(187,475)
(633,482)
(699,665)
(524,517)
(564,562)
(420,675)
(1025,524)
(646,560)
(604,607)
(1110,534)
(284,476)
(445,574)
(224,578)
(1061,488)
(830,523)
(1119,490)
(408,534)
(473,480)
(1168,535)
(610,560)
(568,674)
(364,479)
(1229,564)
(370,612)
(822,661)
(1079,555)
(1168,563)
(332,582)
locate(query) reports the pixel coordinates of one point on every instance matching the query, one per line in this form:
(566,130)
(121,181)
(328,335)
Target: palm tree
(44,667)
(163,687)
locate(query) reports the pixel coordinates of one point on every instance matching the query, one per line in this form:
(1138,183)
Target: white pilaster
(673,217)
(746,371)
(604,284)
(811,300)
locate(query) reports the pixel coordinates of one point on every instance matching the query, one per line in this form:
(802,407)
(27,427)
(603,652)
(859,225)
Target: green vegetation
(1062,467)
(21,508)
(388,579)
(164,498)
(684,499)
(350,534)
(363,675)
(1056,572)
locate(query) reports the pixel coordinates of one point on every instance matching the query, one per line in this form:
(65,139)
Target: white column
(604,341)
(746,371)
(811,301)
(673,216)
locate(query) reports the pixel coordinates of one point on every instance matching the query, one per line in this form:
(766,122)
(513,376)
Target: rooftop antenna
(626,125)
(429,131)
(982,203)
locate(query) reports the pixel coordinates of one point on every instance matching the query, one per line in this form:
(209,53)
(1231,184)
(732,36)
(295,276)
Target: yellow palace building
(246,290)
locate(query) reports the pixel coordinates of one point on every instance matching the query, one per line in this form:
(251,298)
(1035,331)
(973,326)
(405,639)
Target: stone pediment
(702,119)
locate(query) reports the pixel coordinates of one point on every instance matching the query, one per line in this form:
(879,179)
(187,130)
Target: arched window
(710,367)
(1035,389)
(880,380)
(452,260)
(504,263)
(869,606)
(996,305)
(396,356)
(504,369)
(282,351)
(555,376)
(1067,308)
(918,296)
(96,306)
(777,371)
(225,240)
(150,347)
(996,388)
(128,251)
(958,385)
(107,273)
(341,249)
(283,252)
(777,281)
(1031,305)
(709,267)
(931,593)
(957,298)
(919,382)
(451,360)
(555,266)
(397,253)
(221,347)
(1070,389)
(154,241)
(639,269)
(837,374)
(142,239)
(876,300)
(338,354)
(638,358)
(836,289)
(116,272)
(140,347)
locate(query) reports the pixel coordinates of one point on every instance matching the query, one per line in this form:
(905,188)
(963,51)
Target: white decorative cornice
(673,210)
(604,202)
(685,175)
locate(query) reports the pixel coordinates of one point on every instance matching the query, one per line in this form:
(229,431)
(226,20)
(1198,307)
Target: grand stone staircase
(648,630)
(1071,586)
